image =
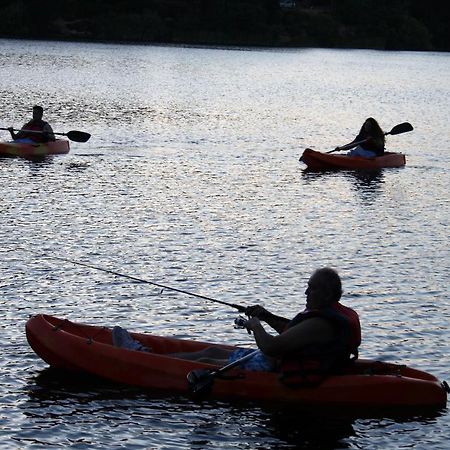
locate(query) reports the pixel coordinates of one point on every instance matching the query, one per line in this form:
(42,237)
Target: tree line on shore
(377,24)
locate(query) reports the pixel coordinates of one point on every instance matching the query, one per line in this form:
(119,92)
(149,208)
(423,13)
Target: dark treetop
(378,24)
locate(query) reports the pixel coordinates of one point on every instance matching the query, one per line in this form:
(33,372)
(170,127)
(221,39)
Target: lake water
(192,179)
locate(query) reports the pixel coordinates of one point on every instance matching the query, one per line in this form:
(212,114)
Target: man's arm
(19,134)
(312,331)
(48,129)
(11,132)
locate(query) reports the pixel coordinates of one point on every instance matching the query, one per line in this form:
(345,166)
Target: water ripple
(191,179)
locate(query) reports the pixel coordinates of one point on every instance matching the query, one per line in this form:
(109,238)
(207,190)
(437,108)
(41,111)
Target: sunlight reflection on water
(191,179)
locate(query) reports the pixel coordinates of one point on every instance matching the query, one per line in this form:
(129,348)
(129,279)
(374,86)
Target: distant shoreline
(236,47)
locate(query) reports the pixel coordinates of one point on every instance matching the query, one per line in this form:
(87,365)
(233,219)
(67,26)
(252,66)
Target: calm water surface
(192,179)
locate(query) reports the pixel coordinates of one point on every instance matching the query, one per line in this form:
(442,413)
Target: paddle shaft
(130,277)
(348,146)
(206,381)
(398,129)
(234,364)
(33,131)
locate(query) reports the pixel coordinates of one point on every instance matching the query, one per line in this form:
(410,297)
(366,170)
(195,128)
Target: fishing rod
(130,277)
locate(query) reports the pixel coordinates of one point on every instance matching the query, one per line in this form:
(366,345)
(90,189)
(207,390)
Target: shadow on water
(209,421)
(35,164)
(265,426)
(38,160)
(367,183)
(361,179)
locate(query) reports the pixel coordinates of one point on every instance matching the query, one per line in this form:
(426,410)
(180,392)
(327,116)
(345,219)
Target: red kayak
(58,147)
(318,161)
(86,348)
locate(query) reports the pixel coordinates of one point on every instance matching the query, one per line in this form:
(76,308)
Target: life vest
(34,125)
(311,364)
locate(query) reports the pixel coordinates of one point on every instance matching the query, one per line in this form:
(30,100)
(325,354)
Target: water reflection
(311,430)
(55,395)
(61,397)
(368,184)
(31,159)
(211,200)
(361,178)
(365,178)
(36,163)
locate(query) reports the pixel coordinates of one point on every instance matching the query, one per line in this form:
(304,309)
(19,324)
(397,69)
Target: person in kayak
(323,337)
(26,136)
(370,141)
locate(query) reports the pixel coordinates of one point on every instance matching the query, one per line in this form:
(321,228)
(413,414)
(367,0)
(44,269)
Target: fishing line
(130,277)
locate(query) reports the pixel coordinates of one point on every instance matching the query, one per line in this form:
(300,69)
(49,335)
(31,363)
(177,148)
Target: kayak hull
(58,147)
(368,384)
(318,161)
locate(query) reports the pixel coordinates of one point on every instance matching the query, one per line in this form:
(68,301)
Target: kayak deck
(318,161)
(38,150)
(86,348)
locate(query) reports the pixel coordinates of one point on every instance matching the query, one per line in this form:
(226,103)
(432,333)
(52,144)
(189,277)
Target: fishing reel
(239,323)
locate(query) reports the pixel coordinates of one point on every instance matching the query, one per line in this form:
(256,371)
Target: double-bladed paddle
(76,136)
(398,129)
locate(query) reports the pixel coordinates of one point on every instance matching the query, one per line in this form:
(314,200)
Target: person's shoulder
(345,309)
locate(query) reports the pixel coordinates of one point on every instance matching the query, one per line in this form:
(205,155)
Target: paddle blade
(401,128)
(78,136)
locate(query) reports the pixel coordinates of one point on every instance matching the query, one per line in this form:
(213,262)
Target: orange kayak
(318,161)
(368,384)
(58,147)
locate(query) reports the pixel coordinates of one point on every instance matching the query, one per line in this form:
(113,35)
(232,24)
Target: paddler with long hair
(370,141)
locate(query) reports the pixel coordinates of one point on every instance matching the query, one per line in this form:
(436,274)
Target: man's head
(38,112)
(324,288)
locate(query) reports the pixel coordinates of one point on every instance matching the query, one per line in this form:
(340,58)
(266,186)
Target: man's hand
(251,323)
(257,311)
